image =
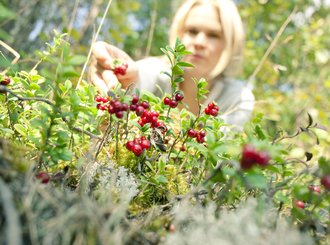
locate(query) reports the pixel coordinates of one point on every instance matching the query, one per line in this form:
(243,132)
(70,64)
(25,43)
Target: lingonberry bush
(77,139)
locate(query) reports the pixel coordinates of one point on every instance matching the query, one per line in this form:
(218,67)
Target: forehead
(204,15)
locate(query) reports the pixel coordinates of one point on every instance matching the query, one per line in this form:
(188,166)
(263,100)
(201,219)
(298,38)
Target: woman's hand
(100,73)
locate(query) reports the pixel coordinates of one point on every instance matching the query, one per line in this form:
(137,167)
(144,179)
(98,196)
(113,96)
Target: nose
(200,40)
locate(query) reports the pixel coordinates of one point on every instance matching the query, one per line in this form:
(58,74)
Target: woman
(212,30)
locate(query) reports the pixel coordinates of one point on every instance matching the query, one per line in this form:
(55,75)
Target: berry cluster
(138,145)
(43,177)
(113,106)
(152,118)
(174,101)
(325,181)
(138,106)
(250,157)
(212,109)
(119,67)
(199,135)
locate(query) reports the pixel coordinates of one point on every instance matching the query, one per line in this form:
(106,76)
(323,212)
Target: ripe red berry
(167,101)
(135,99)
(129,145)
(5,81)
(299,204)
(43,177)
(173,104)
(98,98)
(179,96)
(192,133)
(262,158)
(137,149)
(145,144)
(315,188)
(248,156)
(325,181)
(139,110)
(119,114)
(145,105)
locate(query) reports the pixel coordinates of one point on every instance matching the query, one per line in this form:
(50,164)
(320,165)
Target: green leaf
(177,70)
(77,60)
(256,180)
(20,129)
(184,64)
(6,13)
(161,179)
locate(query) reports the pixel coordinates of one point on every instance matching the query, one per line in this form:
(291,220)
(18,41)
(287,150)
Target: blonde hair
(233,33)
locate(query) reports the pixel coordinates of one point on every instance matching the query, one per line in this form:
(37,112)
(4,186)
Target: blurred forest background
(293,80)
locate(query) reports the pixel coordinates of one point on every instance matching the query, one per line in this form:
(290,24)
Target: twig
(93,41)
(11,50)
(271,46)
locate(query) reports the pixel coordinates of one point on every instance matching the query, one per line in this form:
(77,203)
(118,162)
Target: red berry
(211,105)
(179,96)
(139,110)
(119,114)
(262,158)
(202,133)
(248,156)
(105,99)
(299,204)
(133,107)
(137,149)
(167,101)
(315,188)
(145,144)
(192,133)
(124,107)
(200,138)
(213,112)
(325,181)
(43,177)
(5,81)
(98,98)
(129,145)
(173,104)
(145,105)
(135,99)
(207,111)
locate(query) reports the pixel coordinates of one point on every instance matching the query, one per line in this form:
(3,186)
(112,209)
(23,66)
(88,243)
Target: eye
(192,31)
(215,35)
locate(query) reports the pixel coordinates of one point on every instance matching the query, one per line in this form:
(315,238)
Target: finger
(102,54)
(110,79)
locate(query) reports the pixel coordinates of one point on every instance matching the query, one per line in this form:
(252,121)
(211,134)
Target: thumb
(101,54)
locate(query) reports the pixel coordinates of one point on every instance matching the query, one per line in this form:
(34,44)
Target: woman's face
(203,37)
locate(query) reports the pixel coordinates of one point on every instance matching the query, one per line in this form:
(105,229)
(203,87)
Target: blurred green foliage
(293,80)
